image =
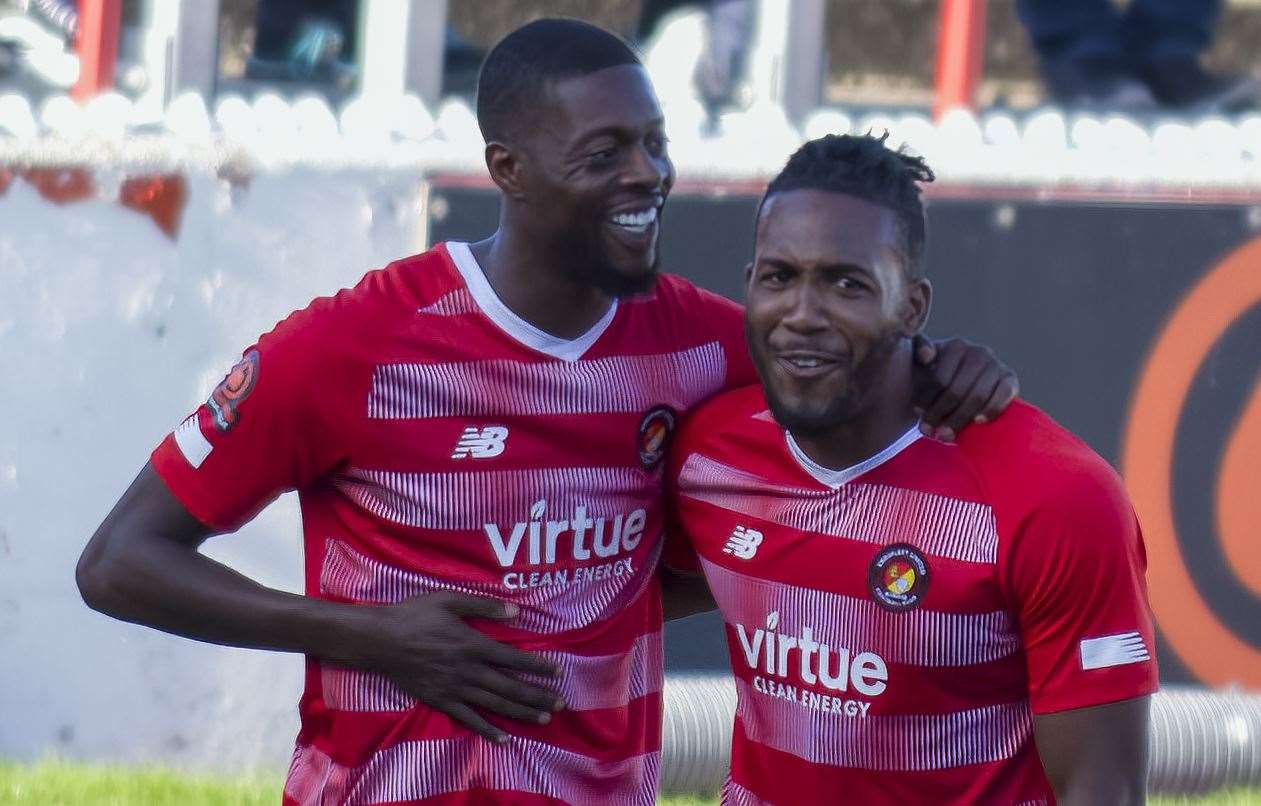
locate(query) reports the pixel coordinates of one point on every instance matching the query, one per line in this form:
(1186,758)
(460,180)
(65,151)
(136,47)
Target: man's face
(597,176)
(829,303)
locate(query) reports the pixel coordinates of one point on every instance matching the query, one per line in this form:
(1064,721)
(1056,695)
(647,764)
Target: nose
(651,172)
(804,313)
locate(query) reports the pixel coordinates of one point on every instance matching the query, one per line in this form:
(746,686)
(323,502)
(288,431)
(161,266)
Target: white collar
(835,478)
(516,327)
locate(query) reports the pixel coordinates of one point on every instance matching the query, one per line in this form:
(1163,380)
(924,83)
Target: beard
(822,410)
(589,259)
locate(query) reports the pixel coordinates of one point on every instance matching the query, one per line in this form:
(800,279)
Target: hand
(957,383)
(428,650)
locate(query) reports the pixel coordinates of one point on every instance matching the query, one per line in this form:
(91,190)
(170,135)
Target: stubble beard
(813,420)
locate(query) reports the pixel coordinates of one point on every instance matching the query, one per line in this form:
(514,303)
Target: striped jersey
(894,627)
(440,443)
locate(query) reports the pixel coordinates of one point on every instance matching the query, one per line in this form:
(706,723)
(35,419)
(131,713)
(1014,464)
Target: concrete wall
(110,332)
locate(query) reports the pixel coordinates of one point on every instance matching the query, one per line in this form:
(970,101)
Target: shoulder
(1031,466)
(678,294)
(724,417)
(381,299)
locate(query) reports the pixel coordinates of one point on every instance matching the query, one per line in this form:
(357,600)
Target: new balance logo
(743,543)
(481,443)
(1113,650)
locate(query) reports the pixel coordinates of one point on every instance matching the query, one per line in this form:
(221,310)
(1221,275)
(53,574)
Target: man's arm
(684,593)
(958,383)
(1096,756)
(143,566)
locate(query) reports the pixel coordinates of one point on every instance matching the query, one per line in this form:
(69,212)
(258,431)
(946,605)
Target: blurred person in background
(1144,58)
(305,40)
(729,28)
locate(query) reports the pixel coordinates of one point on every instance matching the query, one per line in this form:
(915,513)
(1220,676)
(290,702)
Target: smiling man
(476,435)
(909,621)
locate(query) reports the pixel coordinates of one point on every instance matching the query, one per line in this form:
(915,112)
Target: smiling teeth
(641,219)
(806,362)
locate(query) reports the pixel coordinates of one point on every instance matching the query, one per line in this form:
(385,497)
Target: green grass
(53,783)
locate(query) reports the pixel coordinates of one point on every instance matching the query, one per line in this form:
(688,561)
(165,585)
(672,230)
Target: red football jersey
(440,443)
(894,627)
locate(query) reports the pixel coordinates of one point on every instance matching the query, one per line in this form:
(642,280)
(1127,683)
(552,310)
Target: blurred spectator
(1144,57)
(728,34)
(302,40)
(63,15)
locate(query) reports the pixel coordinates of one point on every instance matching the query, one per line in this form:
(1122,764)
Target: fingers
(949,376)
(512,658)
(467,606)
(925,349)
(512,688)
(963,398)
(932,379)
(1005,391)
(472,720)
(490,701)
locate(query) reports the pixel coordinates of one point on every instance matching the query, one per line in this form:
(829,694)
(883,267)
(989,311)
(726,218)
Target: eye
(851,285)
(775,277)
(656,144)
(602,156)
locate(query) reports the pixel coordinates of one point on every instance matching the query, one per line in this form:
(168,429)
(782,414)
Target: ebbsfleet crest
(898,577)
(655,430)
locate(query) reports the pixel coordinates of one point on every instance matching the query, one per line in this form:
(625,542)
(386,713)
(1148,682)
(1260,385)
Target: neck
(885,414)
(537,285)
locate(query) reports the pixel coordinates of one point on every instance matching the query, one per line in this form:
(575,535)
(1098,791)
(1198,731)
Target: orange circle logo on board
(1202,641)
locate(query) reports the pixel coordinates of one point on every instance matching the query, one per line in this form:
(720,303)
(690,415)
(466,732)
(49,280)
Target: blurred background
(177,175)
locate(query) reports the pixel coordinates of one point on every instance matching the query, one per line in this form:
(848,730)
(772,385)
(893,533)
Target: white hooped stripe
(420,769)
(468,501)
(552,609)
(501,388)
(453,303)
(874,513)
(914,637)
(735,795)
(585,683)
(902,742)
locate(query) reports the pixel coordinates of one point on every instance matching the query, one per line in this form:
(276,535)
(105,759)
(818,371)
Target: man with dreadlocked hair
(909,620)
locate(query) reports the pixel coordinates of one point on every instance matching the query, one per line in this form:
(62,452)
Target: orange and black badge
(232,391)
(898,577)
(655,430)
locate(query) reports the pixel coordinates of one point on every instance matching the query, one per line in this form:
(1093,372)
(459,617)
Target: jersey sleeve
(263,430)
(678,553)
(1075,573)
(727,320)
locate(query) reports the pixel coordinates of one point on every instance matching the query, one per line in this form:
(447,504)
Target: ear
(919,298)
(504,164)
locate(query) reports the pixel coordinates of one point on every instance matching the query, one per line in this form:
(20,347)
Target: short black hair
(867,168)
(518,70)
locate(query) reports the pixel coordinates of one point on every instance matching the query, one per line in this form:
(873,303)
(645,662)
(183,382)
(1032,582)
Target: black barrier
(1135,324)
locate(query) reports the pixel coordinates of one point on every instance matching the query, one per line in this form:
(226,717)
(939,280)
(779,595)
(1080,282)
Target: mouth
(636,222)
(806,364)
